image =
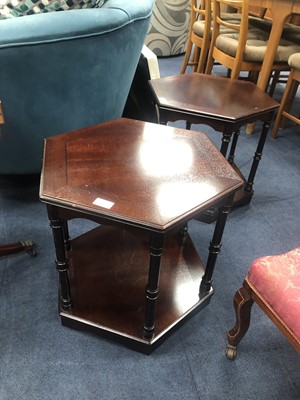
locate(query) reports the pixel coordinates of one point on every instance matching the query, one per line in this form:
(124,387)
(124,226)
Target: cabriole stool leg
(242,303)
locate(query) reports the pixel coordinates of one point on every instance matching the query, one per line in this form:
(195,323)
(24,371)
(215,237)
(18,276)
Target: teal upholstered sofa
(65,70)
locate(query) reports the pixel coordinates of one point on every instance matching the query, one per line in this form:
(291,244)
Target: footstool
(272,282)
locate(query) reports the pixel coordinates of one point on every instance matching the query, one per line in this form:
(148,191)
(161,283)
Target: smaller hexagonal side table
(224,104)
(137,275)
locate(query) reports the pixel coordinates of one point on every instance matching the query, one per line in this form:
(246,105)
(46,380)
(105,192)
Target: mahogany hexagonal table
(136,276)
(224,104)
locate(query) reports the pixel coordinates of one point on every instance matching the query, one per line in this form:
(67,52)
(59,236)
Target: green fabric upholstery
(294,61)
(290,31)
(198,26)
(256,46)
(65,70)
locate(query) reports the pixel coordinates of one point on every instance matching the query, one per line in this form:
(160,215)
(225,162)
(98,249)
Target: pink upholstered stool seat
(273,282)
(277,280)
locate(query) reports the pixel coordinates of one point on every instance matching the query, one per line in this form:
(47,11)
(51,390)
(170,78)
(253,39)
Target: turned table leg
(215,247)
(233,146)
(257,157)
(59,230)
(226,138)
(156,248)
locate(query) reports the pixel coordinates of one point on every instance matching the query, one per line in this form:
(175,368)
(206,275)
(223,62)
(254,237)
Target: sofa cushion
(19,8)
(277,280)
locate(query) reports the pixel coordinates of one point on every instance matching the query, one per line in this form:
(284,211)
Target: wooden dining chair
(245,48)
(198,42)
(284,111)
(291,32)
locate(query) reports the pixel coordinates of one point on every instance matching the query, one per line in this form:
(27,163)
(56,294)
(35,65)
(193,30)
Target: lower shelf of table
(108,273)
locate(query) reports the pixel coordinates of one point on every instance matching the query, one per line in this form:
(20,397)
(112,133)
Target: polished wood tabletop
(134,172)
(218,99)
(224,104)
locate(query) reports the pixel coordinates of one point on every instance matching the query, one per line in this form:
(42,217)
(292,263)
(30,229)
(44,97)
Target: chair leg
(203,59)
(11,248)
(242,303)
(288,105)
(191,57)
(195,58)
(274,80)
(187,56)
(209,64)
(285,103)
(253,76)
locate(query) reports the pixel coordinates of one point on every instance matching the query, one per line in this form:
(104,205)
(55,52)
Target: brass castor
(231,352)
(28,246)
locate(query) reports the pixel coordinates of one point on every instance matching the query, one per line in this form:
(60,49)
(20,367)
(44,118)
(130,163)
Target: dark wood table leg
(215,247)
(156,249)
(158,116)
(257,157)
(67,241)
(211,215)
(226,138)
(184,233)
(236,135)
(58,230)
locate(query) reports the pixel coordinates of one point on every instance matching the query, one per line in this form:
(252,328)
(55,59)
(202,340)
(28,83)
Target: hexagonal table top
(136,172)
